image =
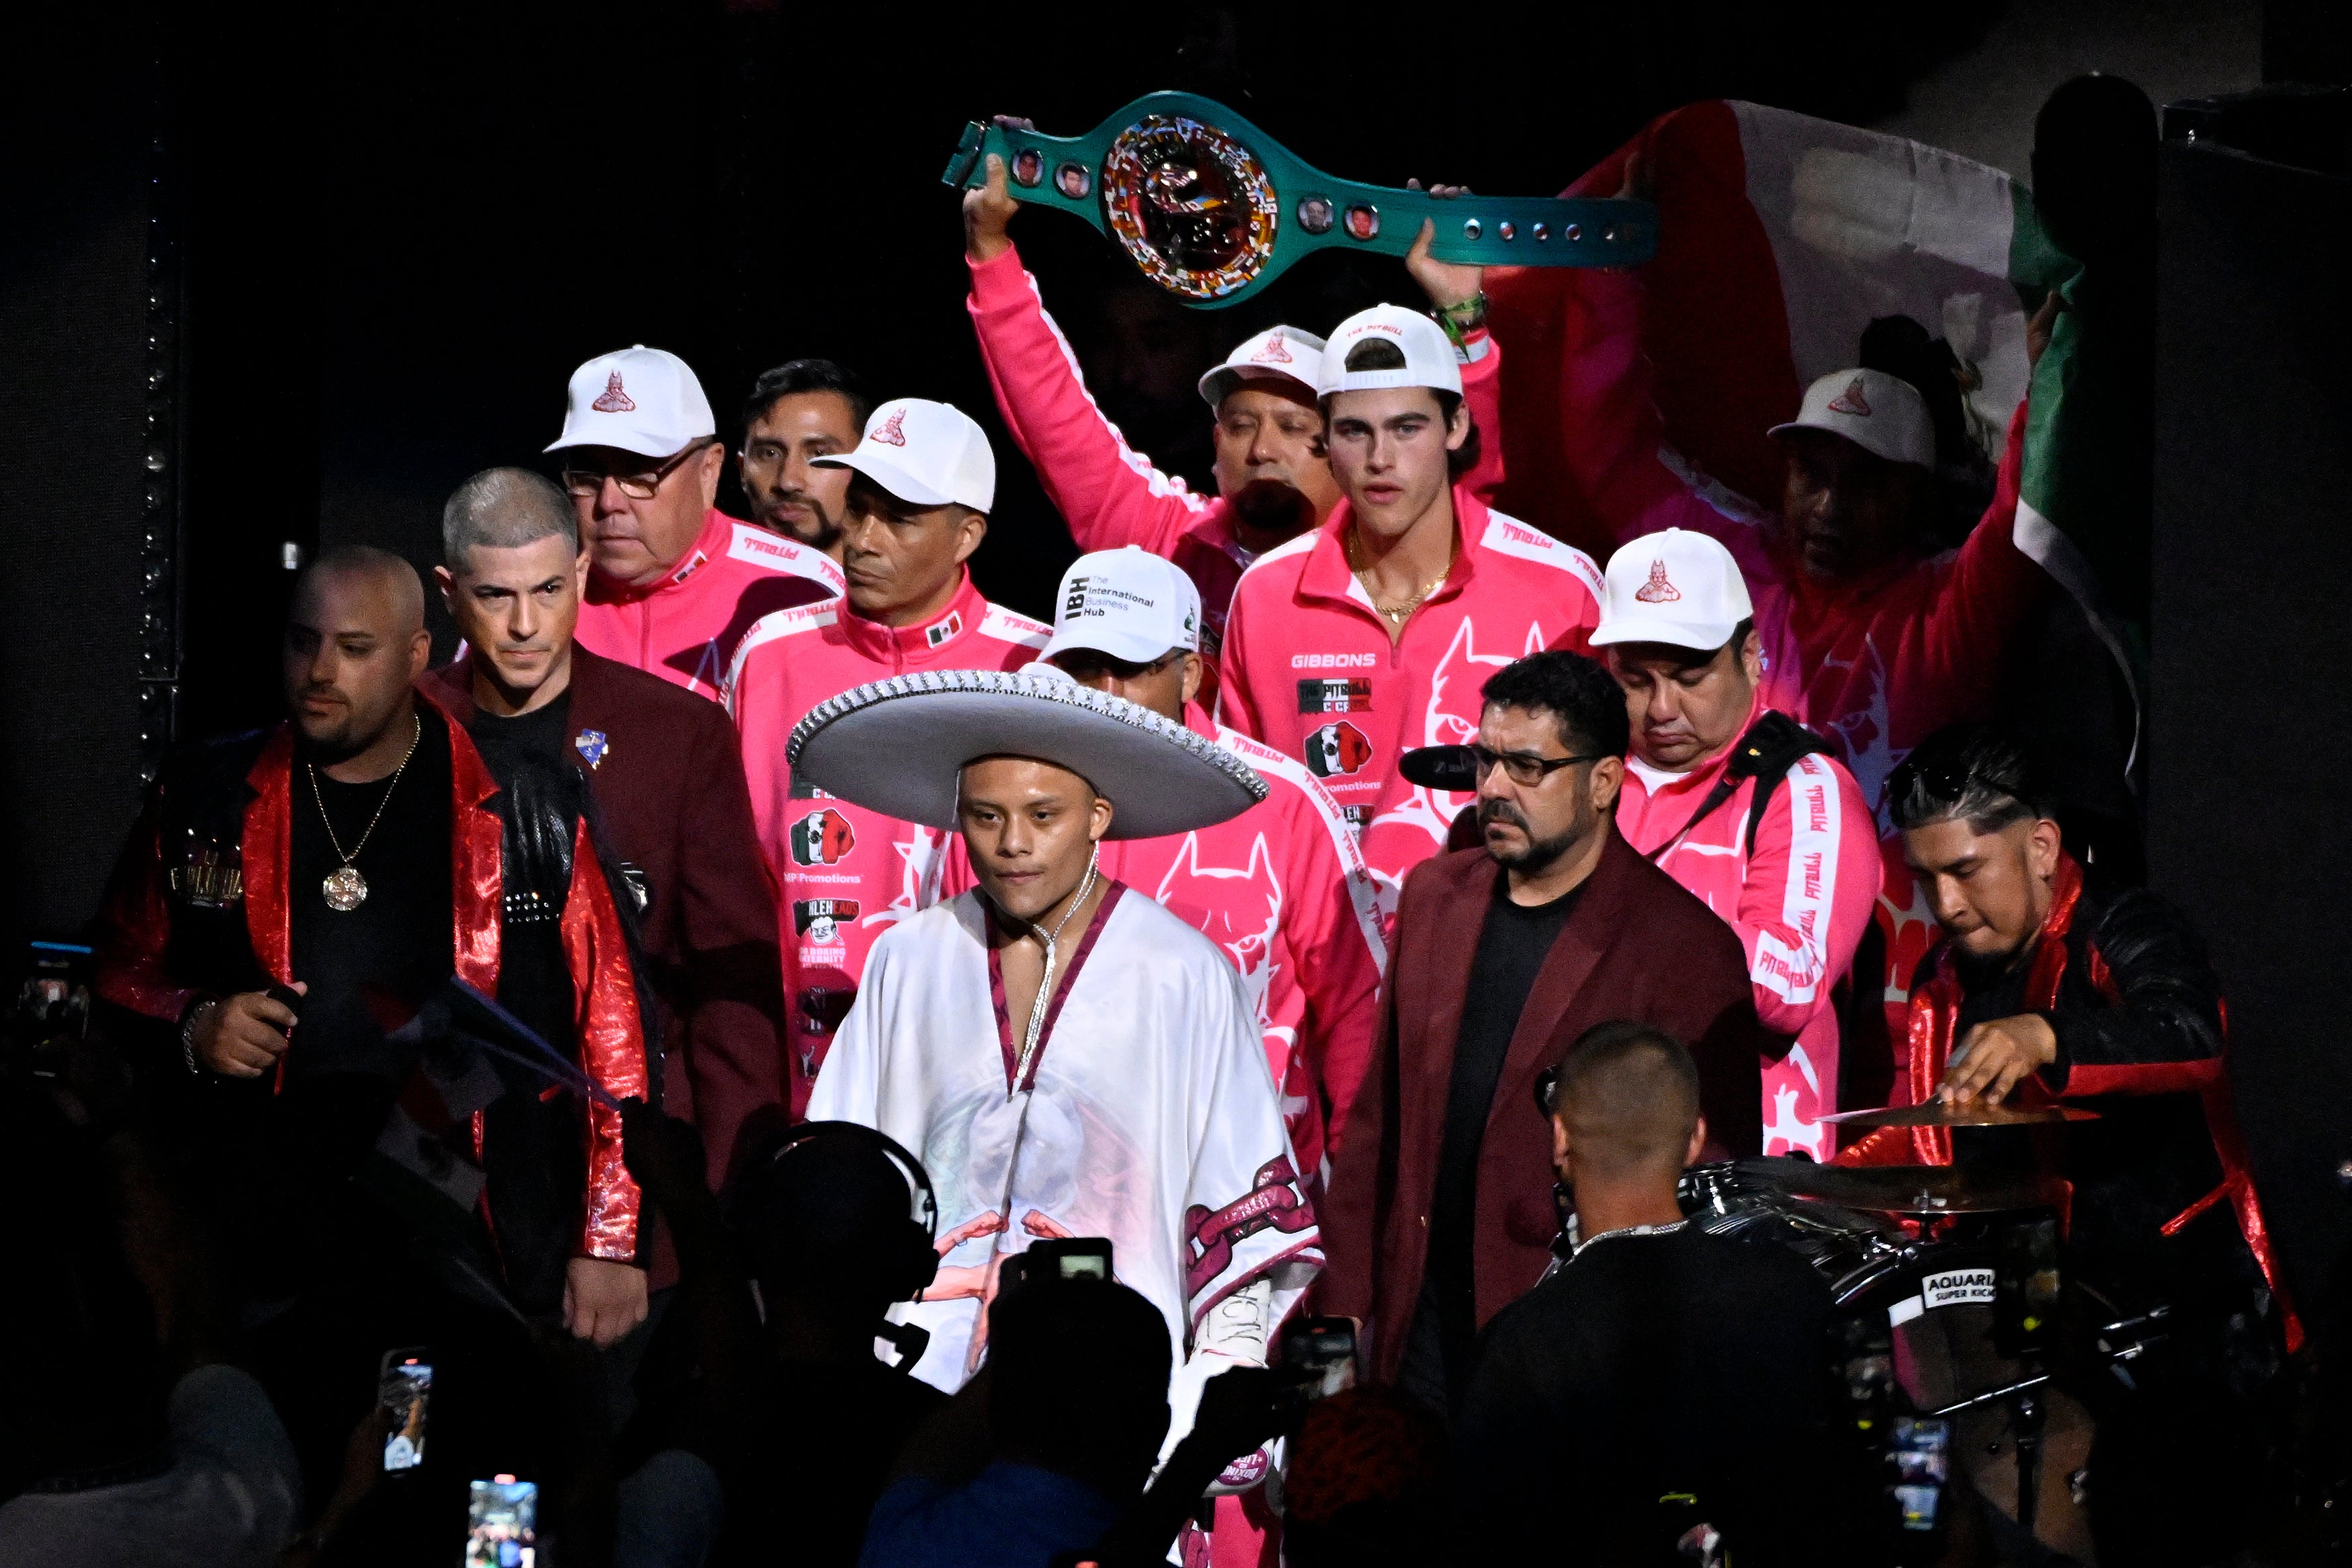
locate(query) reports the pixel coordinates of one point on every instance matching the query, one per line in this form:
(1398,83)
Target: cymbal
(1973,1113)
(1910,1189)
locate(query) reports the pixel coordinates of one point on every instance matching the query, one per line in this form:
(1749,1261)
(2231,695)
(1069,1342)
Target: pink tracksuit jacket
(1800,905)
(686,628)
(1874,667)
(846,872)
(1283,893)
(1309,668)
(1110,494)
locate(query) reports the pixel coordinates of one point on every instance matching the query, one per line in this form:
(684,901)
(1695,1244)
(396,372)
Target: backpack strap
(1765,753)
(1773,745)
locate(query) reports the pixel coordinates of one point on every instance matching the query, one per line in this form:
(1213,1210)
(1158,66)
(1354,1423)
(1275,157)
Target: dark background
(280,276)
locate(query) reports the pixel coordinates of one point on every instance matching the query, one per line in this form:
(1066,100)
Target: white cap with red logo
(1278,354)
(1130,604)
(1879,413)
(930,454)
(1679,588)
(1429,358)
(636,399)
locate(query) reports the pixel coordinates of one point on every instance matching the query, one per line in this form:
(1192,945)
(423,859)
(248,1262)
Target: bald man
(1658,1363)
(290,897)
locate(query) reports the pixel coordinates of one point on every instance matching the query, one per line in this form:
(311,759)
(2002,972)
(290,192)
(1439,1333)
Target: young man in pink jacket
(1274,481)
(673,583)
(922,481)
(1739,803)
(1281,888)
(1371,634)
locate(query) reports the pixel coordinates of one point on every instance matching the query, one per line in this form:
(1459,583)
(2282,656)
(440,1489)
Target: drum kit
(1948,1285)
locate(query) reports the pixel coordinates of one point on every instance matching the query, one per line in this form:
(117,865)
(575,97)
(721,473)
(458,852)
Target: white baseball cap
(1679,588)
(1879,413)
(930,454)
(1130,604)
(638,399)
(1429,358)
(1278,354)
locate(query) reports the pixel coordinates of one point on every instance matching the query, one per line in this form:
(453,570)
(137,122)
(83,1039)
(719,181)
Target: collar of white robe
(1039,1007)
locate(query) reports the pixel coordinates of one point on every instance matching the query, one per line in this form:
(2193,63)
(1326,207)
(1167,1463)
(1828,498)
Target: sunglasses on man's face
(1083,665)
(639,486)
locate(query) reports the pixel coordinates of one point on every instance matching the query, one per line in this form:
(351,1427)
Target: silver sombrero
(899,746)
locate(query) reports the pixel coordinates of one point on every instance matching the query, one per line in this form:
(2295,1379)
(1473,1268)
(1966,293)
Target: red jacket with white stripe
(1798,904)
(686,628)
(846,872)
(1283,893)
(1108,492)
(1309,668)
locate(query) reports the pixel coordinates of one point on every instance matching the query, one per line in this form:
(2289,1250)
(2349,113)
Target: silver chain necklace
(1045,987)
(1667,1229)
(345,889)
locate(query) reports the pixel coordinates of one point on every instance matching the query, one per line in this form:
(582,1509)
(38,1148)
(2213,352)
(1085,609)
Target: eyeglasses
(1519,767)
(639,486)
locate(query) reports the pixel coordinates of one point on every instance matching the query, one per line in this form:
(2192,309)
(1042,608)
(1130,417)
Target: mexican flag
(1781,237)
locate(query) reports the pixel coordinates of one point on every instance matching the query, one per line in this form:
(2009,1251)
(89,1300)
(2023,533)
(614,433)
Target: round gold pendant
(346,889)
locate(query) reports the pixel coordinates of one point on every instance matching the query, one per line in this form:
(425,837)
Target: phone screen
(502,1523)
(1085,1265)
(405,1388)
(1065,1258)
(1921,1453)
(1322,1351)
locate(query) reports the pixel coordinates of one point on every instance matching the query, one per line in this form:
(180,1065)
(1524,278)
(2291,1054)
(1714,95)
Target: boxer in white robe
(1068,1058)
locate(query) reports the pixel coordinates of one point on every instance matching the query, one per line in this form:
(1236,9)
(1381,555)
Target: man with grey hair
(675,582)
(668,779)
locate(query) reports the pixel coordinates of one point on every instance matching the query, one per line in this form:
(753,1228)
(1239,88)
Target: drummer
(2045,989)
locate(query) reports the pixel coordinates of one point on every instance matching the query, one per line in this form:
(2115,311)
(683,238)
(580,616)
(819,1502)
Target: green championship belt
(1212,208)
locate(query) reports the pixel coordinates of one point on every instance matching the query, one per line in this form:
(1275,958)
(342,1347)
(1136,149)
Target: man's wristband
(190,1022)
(1463,318)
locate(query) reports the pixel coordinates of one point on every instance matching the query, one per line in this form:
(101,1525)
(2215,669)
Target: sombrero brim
(899,746)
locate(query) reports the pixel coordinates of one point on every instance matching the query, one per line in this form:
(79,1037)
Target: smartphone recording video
(502,1523)
(1065,1258)
(1320,1353)
(404,1387)
(1920,1452)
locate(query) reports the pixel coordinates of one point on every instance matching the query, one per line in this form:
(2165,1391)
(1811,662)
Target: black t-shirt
(1653,1365)
(1513,943)
(396,946)
(538,733)
(539,1173)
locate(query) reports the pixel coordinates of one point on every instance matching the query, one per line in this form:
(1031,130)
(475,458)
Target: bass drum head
(1936,1297)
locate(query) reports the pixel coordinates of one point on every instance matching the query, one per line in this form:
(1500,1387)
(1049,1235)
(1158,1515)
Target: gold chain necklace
(345,889)
(1396,615)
